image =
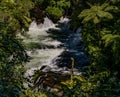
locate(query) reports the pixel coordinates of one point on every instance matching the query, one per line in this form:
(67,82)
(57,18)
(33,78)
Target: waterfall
(55,47)
(33,26)
(46,25)
(65,23)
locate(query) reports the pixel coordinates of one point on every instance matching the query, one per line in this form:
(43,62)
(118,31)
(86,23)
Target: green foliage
(98,85)
(14,15)
(12,55)
(57,8)
(97,12)
(111,39)
(79,88)
(55,12)
(32,93)
(102,38)
(53,8)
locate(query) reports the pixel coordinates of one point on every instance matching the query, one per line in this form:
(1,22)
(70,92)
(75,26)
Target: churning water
(54,45)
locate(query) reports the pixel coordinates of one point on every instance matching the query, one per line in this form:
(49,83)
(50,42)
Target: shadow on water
(73,44)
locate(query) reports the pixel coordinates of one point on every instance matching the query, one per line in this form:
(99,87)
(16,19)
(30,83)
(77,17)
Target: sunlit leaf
(96,20)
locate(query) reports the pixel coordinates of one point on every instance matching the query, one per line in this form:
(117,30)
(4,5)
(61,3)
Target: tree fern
(97,12)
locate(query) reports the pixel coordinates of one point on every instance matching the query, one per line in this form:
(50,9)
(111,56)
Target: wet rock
(51,80)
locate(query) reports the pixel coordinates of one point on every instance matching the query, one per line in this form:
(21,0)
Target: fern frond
(88,18)
(84,13)
(111,8)
(103,14)
(110,39)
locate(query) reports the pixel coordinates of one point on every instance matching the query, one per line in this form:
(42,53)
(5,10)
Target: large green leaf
(103,14)
(88,18)
(110,39)
(84,13)
(111,8)
(96,13)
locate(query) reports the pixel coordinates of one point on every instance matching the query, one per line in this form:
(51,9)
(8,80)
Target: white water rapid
(50,52)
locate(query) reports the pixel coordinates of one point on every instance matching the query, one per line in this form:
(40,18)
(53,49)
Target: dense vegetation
(100,21)
(13,17)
